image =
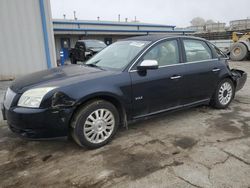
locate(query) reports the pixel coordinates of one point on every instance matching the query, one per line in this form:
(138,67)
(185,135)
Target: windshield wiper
(94,65)
(91,65)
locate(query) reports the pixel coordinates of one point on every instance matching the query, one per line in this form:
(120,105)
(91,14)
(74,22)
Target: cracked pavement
(199,147)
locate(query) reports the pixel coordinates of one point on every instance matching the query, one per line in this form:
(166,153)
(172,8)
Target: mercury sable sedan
(131,79)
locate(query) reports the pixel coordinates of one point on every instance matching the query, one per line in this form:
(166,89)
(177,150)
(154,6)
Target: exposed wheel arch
(218,97)
(230,77)
(222,78)
(95,124)
(118,104)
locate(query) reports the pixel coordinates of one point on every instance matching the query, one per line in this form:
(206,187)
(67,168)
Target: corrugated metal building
(30,41)
(26,37)
(67,32)
(212,27)
(216,27)
(198,29)
(240,24)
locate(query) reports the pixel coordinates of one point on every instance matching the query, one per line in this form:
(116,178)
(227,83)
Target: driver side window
(165,53)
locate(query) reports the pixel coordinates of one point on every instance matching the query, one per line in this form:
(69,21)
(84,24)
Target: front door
(158,90)
(65,46)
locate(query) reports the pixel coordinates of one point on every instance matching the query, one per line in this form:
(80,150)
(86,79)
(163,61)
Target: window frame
(194,39)
(215,48)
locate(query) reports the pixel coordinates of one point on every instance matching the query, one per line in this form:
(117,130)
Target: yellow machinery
(241,46)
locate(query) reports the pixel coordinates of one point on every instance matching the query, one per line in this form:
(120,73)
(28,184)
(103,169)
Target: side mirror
(148,64)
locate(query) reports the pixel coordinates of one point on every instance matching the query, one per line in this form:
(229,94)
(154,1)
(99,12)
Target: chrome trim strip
(172,108)
(216,70)
(191,62)
(175,77)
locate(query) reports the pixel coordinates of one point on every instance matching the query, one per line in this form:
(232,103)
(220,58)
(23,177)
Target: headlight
(33,97)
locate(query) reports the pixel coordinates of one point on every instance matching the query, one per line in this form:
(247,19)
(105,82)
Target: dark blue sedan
(129,80)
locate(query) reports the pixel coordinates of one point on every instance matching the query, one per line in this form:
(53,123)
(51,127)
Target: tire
(238,52)
(73,60)
(89,131)
(224,94)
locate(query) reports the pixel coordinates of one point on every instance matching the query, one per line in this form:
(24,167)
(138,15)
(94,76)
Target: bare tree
(210,21)
(198,21)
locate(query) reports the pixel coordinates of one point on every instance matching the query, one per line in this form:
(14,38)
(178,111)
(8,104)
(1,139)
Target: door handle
(175,77)
(216,70)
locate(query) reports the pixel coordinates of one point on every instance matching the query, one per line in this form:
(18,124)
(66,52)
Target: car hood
(57,77)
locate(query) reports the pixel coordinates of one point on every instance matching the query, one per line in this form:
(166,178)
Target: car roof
(154,38)
(86,40)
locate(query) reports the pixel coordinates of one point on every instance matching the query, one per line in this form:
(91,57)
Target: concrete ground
(199,147)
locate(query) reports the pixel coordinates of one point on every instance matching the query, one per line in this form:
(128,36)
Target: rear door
(202,71)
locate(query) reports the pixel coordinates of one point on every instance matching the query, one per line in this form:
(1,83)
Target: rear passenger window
(197,50)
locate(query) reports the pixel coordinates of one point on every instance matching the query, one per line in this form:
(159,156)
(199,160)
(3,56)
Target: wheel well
(112,100)
(234,82)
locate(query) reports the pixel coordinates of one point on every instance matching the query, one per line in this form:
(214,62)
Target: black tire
(238,52)
(78,127)
(217,100)
(73,60)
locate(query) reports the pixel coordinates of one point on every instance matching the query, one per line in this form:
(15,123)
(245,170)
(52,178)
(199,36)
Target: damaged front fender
(61,100)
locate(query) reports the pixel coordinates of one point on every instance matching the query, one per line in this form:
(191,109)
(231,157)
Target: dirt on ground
(199,147)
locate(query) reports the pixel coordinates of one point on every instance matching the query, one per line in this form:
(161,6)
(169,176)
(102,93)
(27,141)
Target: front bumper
(38,123)
(239,77)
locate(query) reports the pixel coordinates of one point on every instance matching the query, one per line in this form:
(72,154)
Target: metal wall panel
(22,48)
(113,27)
(240,24)
(50,31)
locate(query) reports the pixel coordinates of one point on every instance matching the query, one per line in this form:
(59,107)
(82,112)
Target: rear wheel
(95,124)
(238,52)
(224,94)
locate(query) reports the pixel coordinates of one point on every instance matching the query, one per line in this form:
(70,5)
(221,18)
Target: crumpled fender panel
(239,77)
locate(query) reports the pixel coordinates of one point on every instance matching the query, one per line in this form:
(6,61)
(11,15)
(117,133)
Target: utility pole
(75,18)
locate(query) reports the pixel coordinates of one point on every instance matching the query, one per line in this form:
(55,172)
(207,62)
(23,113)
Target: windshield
(118,55)
(95,44)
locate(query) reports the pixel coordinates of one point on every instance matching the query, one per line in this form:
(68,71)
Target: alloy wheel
(225,93)
(99,126)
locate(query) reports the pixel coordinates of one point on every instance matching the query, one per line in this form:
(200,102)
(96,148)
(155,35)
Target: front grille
(9,96)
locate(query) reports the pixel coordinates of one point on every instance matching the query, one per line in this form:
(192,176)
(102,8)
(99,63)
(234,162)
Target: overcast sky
(171,12)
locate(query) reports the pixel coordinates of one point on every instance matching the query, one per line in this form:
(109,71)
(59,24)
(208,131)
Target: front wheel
(95,124)
(224,94)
